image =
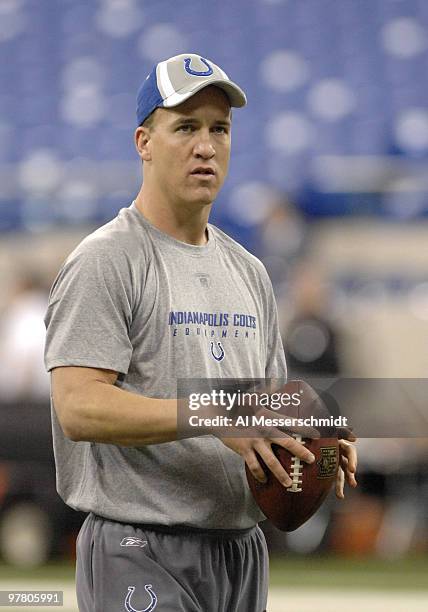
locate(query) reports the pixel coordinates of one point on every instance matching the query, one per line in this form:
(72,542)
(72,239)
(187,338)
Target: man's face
(189,148)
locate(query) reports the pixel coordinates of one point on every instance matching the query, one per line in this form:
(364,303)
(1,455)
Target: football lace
(296,472)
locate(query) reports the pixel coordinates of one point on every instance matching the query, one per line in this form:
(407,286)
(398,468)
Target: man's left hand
(347,467)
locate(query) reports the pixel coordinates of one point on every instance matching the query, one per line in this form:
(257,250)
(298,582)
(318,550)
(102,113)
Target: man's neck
(187,223)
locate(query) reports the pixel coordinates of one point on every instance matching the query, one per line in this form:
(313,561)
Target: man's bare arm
(90,408)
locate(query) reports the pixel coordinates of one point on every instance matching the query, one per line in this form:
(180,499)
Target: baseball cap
(176,79)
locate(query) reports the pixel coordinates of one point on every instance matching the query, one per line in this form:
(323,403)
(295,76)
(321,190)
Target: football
(288,508)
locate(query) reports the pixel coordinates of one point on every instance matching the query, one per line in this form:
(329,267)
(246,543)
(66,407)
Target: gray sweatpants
(134,568)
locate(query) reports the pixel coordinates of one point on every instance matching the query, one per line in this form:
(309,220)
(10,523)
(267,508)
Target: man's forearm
(100,412)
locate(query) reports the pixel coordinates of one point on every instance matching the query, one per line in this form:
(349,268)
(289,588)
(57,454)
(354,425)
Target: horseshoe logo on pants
(149,608)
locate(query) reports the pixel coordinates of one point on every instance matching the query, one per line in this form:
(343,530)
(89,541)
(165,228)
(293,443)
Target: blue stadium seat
(363,45)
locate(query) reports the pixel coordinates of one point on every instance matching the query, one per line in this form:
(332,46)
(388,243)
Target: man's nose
(204,147)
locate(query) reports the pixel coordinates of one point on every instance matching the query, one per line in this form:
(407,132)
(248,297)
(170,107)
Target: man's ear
(142,142)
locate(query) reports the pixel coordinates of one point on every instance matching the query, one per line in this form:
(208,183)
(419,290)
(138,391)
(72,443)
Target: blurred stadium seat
(324,78)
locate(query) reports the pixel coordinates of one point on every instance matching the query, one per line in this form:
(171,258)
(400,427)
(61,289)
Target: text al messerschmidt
(263,421)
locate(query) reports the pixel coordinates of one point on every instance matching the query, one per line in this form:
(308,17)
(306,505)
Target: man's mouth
(205,171)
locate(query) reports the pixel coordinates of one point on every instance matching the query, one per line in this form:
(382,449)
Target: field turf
(316,572)
(410,574)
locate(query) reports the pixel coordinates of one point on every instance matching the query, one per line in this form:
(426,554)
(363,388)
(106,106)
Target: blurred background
(328,186)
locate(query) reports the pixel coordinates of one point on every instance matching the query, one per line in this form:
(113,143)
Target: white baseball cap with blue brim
(176,79)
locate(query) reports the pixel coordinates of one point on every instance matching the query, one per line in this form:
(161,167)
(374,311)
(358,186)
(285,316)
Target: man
(156,295)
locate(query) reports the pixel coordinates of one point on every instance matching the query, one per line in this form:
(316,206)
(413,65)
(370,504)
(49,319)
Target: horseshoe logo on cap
(187,63)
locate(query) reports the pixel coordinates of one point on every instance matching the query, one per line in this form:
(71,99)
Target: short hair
(149,121)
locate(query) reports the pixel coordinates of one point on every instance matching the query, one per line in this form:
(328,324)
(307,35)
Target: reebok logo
(129,541)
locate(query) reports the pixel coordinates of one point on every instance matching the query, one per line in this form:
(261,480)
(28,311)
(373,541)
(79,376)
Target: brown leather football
(288,508)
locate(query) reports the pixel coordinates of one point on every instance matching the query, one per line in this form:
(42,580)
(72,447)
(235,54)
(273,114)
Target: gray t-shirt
(132,299)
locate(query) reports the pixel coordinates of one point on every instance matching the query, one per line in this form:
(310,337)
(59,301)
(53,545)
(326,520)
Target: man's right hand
(253,447)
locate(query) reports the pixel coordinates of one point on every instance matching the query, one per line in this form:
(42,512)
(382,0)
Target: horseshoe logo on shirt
(219,346)
(149,608)
(187,62)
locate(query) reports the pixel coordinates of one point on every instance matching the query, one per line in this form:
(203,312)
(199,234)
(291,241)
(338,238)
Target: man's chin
(203,196)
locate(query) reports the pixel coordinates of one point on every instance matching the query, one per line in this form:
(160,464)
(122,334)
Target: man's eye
(186,128)
(220,129)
